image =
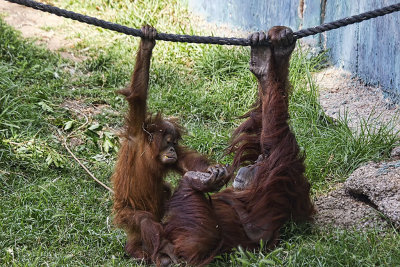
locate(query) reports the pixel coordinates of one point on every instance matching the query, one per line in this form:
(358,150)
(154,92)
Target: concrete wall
(370,49)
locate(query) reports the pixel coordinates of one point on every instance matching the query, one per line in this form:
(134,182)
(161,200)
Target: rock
(371,191)
(395,154)
(340,210)
(378,184)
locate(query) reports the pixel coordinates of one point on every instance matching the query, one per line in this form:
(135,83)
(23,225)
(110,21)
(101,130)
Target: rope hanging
(204,39)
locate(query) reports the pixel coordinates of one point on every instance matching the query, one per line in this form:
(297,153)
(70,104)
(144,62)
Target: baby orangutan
(150,149)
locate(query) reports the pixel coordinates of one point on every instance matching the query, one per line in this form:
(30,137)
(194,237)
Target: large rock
(340,210)
(379,185)
(369,198)
(395,154)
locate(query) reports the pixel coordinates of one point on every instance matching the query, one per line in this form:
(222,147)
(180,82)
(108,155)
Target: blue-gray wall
(370,49)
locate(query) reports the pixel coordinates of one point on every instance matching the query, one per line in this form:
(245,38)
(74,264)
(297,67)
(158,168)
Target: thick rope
(204,39)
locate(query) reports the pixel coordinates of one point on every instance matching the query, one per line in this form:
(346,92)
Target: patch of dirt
(83,110)
(75,141)
(42,26)
(340,93)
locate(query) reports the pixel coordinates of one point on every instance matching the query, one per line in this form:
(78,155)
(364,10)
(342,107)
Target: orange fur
(140,192)
(200,228)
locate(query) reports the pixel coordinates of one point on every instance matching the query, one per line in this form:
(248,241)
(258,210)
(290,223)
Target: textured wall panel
(370,49)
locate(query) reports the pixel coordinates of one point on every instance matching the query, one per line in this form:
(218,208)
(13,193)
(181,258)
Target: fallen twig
(83,166)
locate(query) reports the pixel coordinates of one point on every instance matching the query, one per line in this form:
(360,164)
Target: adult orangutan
(148,152)
(199,227)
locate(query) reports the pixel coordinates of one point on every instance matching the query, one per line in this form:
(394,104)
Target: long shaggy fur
(140,192)
(201,227)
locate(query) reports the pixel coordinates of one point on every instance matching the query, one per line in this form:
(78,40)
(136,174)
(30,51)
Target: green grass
(334,248)
(52,213)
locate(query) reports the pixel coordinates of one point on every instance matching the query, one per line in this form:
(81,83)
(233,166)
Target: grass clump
(332,248)
(333,150)
(51,213)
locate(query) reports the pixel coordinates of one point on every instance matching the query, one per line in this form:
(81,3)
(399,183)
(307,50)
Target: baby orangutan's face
(168,153)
